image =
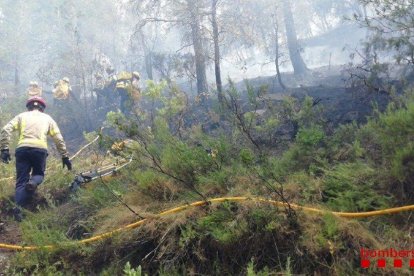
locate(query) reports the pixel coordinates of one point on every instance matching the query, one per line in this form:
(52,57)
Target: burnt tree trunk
(148,65)
(217,70)
(197,39)
(147,56)
(299,66)
(276,36)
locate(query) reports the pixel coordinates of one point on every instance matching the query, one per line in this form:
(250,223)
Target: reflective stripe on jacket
(33,128)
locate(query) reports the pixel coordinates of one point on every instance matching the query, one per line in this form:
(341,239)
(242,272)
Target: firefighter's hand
(5,156)
(66,162)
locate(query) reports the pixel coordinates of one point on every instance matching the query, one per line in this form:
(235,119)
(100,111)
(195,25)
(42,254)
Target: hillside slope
(177,160)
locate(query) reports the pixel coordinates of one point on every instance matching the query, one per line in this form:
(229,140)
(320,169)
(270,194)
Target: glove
(5,156)
(66,162)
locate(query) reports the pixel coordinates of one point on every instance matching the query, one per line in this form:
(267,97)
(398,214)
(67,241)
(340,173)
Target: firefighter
(34,90)
(33,127)
(61,91)
(127,85)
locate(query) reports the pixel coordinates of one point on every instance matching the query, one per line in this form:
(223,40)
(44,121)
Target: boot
(18,214)
(30,186)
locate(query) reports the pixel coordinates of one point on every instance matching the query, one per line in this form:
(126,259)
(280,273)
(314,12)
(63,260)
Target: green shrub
(129,271)
(222,225)
(353,187)
(247,156)
(402,163)
(310,137)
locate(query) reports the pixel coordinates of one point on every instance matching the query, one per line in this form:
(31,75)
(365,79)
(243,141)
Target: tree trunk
(197,39)
(217,70)
(148,65)
(16,76)
(276,36)
(147,56)
(299,66)
(16,71)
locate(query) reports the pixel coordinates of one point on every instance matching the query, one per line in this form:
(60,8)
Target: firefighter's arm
(57,137)
(7,130)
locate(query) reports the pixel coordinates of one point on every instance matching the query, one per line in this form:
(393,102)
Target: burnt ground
(10,234)
(344,105)
(330,87)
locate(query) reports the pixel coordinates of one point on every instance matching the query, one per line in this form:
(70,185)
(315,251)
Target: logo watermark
(389,257)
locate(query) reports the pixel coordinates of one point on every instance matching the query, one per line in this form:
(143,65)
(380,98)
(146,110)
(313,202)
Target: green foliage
(45,229)
(330,227)
(247,156)
(402,164)
(98,195)
(222,225)
(306,154)
(222,179)
(257,124)
(303,114)
(353,187)
(154,90)
(129,271)
(225,227)
(386,28)
(185,162)
(115,118)
(344,170)
(148,178)
(251,270)
(310,137)
(394,123)
(330,232)
(89,136)
(392,157)
(288,269)
(187,235)
(306,186)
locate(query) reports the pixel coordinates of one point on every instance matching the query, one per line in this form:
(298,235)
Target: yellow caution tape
(215,200)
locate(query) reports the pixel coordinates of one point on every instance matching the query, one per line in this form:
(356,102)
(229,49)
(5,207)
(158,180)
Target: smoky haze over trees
(295,101)
(202,41)
(200,44)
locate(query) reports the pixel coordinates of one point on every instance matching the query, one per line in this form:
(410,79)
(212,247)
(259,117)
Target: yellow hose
(215,200)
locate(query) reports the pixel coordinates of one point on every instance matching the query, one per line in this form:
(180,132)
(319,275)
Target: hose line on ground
(214,200)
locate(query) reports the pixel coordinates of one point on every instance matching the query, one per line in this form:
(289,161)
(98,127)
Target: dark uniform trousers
(30,165)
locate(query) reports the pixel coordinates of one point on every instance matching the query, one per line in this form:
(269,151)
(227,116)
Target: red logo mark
(381,263)
(365,263)
(398,263)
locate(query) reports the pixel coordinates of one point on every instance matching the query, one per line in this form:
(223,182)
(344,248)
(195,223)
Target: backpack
(123,80)
(61,90)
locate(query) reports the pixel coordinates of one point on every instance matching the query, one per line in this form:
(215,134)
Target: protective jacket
(34,91)
(33,128)
(62,90)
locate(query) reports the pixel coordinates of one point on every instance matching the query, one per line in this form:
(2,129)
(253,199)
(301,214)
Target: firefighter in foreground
(33,127)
